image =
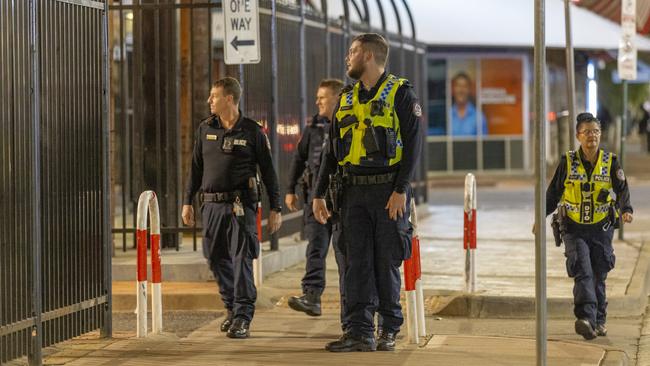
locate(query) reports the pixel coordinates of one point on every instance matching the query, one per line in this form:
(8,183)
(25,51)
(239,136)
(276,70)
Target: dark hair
(586,117)
(230,87)
(376,44)
(461,75)
(335,85)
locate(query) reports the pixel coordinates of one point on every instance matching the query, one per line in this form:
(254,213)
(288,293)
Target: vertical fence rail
(53,155)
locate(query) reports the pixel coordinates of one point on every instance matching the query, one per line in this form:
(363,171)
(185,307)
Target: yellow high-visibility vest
(386,123)
(580,194)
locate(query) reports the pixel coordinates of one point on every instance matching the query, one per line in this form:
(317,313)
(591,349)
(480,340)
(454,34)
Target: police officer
(227,152)
(374,144)
(581,187)
(306,164)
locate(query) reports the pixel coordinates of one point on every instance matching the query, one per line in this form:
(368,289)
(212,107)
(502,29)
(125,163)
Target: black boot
(349,343)
(386,340)
(225,325)
(584,328)
(308,303)
(239,328)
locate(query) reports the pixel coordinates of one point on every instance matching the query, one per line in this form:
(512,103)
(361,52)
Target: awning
(611,9)
(510,23)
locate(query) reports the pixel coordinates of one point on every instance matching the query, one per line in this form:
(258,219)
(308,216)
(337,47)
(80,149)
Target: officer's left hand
(275,221)
(396,205)
(627,217)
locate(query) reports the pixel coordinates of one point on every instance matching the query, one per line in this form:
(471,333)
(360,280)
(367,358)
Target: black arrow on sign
(235,43)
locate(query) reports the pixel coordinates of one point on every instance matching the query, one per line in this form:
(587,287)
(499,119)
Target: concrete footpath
(283,337)
(493,326)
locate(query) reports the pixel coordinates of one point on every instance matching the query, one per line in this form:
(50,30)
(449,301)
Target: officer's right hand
(321,213)
(290,200)
(534,229)
(188,215)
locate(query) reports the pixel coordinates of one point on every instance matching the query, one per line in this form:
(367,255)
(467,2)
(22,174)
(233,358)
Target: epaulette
(207,119)
(347,88)
(259,123)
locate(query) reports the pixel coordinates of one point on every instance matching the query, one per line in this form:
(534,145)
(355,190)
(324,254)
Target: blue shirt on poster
(466,125)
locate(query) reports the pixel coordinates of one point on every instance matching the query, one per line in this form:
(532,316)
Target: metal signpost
(626,68)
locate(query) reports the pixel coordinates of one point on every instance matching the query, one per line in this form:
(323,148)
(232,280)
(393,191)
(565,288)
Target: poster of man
(466,118)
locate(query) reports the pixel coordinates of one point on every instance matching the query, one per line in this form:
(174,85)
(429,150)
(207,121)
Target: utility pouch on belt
(391,143)
(612,217)
(253,189)
(370,138)
(557,234)
(335,190)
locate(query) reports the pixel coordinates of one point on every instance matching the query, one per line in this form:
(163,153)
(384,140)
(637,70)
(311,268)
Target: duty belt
(220,196)
(362,180)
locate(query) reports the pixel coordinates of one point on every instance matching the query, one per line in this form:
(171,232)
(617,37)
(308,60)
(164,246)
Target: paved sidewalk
(283,337)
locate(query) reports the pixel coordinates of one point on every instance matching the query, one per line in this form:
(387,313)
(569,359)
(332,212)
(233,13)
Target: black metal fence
(166,54)
(54,228)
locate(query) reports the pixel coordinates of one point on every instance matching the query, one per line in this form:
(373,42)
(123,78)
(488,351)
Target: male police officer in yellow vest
(375,141)
(581,188)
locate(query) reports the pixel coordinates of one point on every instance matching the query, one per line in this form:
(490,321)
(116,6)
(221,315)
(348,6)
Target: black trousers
(230,244)
(375,247)
(318,237)
(589,257)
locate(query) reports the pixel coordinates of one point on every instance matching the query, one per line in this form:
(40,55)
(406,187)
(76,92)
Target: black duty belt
(362,180)
(221,196)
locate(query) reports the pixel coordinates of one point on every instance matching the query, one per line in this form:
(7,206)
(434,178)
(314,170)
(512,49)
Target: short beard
(355,73)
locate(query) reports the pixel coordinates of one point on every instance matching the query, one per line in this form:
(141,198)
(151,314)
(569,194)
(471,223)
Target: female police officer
(580,190)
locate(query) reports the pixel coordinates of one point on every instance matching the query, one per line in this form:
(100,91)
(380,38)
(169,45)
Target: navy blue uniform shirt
(225,168)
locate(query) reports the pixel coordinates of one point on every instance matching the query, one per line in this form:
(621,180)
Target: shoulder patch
(259,123)
(417,110)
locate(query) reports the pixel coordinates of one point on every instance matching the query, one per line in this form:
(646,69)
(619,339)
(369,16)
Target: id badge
(238,208)
(227,144)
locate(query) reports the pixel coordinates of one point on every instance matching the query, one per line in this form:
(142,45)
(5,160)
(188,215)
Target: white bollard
(469,232)
(148,204)
(412,283)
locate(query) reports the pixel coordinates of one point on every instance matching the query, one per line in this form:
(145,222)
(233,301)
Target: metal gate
(54,228)
(166,54)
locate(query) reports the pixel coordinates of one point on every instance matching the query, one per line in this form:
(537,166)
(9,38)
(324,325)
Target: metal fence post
(274,102)
(35,354)
(106,330)
(303,69)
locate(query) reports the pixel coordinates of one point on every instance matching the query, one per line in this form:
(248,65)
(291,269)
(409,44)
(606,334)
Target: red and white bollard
(469,232)
(258,275)
(413,286)
(148,203)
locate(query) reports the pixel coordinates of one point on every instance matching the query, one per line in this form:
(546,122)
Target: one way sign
(241,32)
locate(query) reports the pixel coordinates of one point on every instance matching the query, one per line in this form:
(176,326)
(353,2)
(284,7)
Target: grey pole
(35,357)
(303,69)
(274,101)
(571,75)
(540,175)
(328,40)
(107,328)
(242,99)
(621,154)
